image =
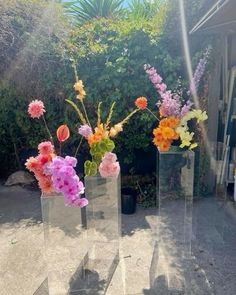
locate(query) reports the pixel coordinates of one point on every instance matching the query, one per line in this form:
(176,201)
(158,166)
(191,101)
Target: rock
(20,177)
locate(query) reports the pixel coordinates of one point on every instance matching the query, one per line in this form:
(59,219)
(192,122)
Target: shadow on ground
(17,203)
(130,224)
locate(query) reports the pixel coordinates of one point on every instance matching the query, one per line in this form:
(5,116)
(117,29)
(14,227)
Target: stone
(20,177)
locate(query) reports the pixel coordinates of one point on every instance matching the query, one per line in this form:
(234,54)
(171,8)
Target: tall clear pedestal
(65,245)
(175,180)
(104,231)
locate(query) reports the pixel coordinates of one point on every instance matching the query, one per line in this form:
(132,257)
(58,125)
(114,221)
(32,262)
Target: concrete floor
(152,249)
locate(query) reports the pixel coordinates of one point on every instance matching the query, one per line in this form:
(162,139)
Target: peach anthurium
(63,133)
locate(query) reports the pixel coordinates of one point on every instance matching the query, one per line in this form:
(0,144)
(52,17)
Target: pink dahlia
(45,148)
(109,167)
(36,109)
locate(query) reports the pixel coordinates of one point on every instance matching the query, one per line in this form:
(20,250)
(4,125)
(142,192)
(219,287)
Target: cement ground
(152,249)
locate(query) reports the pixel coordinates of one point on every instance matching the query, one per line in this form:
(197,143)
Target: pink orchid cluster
(66,181)
(109,166)
(170,104)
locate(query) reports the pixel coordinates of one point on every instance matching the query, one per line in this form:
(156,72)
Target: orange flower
(45,184)
(43,159)
(161,112)
(156,141)
(176,136)
(164,146)
(141,103)
(168,133)
(173,122)
(157,132)
(165,133)
(97,136)
(164,123)
(32,164)
(63,133)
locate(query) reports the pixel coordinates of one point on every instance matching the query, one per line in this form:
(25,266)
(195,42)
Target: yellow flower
(193,145)
(200,115)
(81,95)
(186,138)
(181,130)
(115,130)
(112,132)
(79,87)
(118,127)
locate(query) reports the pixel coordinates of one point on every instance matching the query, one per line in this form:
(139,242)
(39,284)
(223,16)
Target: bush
(36,44)
(111,66)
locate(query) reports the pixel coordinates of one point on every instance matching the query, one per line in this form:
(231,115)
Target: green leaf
(81,117)
(98,157)
(90,168)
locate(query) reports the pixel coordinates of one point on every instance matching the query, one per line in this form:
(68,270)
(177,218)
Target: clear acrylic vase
(104,231)
(175,183)
(65,245)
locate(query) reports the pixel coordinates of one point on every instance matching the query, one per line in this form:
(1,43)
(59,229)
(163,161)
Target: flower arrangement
(55,173)
(100,137)
(175,115)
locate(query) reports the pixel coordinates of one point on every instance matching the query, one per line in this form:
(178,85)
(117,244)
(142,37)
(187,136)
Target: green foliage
(85,10)
(90,168)
(145,188)
(144,9)
(36,43)
(97,151)
(110,57)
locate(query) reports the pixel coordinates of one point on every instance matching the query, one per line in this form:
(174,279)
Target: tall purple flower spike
(170,104)
(200,69)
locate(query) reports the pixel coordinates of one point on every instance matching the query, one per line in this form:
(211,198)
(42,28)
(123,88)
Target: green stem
(60,148)
(47,129)
(75,70)
(78,147)
(152,114)
(129,116)
(86,116)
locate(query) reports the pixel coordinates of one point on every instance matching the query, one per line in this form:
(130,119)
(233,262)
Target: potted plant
(128,200)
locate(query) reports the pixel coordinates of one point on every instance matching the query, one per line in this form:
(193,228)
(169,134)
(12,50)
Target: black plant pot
(128,201)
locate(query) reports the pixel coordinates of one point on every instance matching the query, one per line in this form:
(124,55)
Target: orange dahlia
(164,146)
(173,122)
(168,133)
(141,103)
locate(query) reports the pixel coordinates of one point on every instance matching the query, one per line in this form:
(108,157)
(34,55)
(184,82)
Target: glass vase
(175,183)
(104,231)
(65,245)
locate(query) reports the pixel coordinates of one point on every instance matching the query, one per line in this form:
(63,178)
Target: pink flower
(85,130)
(110,157)
(156,79)
(71,161)
(36,109)
(66,181)
(36,165)
(162,87)
(109,167)
(45,148)
(80,202)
